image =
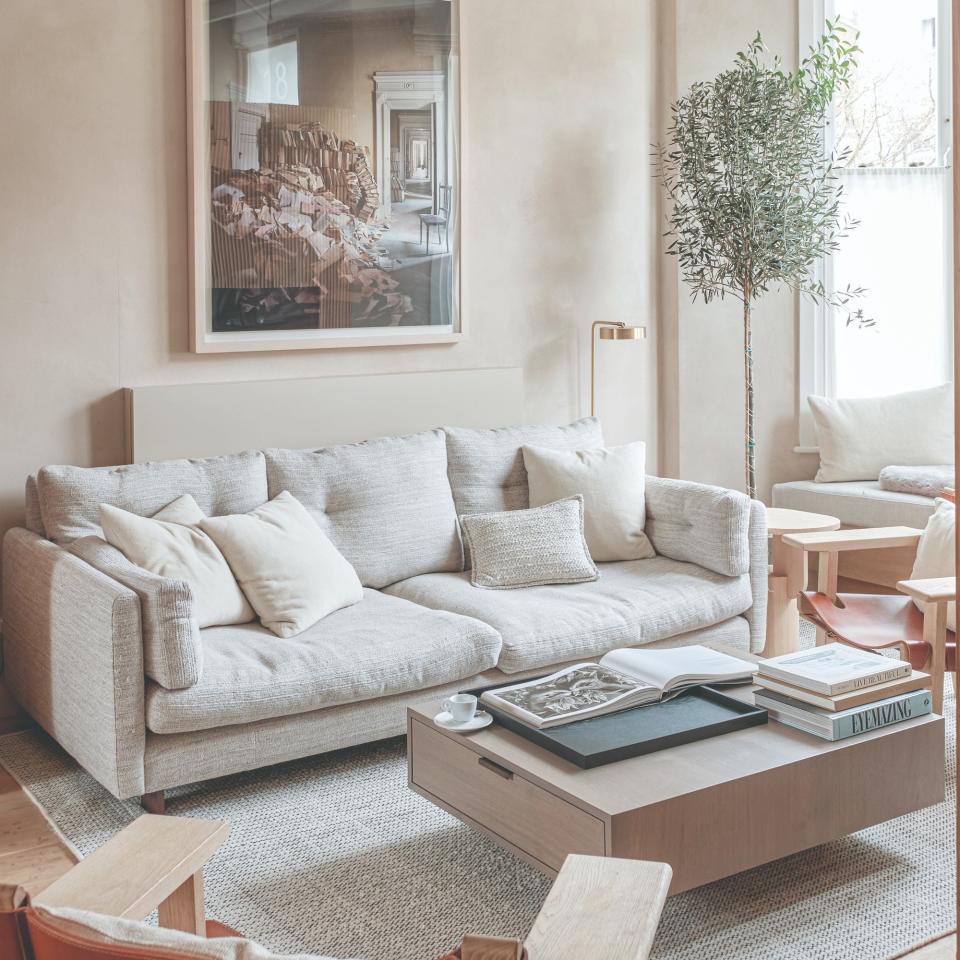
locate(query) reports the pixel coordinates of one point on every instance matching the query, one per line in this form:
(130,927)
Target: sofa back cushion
(385,504)
(70,497)
(486,468)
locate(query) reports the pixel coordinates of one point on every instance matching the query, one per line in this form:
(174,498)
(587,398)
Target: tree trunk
(749,437)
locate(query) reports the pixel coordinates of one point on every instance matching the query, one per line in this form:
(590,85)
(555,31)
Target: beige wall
(558,216)
(702,400)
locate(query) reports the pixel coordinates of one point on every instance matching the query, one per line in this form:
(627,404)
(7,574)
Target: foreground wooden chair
(879,621)
(598,907)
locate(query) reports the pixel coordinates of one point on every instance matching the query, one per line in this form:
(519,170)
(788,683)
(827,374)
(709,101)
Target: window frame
(816,359)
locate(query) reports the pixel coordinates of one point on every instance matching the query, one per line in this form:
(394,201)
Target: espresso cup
(461,706)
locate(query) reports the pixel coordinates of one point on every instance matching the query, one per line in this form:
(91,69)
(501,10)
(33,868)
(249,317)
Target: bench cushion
(376,648)
(856,503)
(385,504)
(70,497)
(634,602)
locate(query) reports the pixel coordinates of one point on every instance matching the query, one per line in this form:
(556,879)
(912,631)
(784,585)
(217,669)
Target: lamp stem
(597,324)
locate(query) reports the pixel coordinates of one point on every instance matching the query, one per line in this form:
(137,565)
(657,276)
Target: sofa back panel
(70,497)
(32,520)
(386,504)
(486,466)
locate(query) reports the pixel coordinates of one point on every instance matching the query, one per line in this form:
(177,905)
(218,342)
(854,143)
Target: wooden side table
(788,575)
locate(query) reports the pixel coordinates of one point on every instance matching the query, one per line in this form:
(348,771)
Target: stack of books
(836,691)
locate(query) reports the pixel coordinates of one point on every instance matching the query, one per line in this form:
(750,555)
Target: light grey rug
(335,855)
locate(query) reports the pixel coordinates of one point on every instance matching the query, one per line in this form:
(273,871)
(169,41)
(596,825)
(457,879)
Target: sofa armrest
(700,524)
(73,656)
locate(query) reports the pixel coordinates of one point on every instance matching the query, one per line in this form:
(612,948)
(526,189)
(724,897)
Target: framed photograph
(324,159)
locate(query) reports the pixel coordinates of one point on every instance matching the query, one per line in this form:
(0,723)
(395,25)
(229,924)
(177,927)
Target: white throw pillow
(935,552)
(611,482)
(292,574)
(858,438)
(170,544)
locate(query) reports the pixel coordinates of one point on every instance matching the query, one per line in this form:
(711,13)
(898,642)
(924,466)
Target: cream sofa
(109,661)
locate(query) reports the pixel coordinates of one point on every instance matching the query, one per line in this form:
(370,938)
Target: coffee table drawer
(526,816)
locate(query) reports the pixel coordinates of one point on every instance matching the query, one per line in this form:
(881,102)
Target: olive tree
(754,196)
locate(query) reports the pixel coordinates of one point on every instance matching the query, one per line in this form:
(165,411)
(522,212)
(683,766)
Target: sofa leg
(154,802)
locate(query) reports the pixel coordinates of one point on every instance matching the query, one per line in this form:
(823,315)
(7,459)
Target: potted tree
(755,200)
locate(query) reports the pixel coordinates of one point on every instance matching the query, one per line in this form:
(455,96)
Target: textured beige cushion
(171,545)
(385,504)
(172,655)
(633,602)
(611,482)
(112,932)
(858,438)
(377,648)
(526,548)
(935,552)
(70,497)
(285,564)
(486,466)
(32,518)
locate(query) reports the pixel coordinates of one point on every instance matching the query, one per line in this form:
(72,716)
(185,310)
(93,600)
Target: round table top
(782,520)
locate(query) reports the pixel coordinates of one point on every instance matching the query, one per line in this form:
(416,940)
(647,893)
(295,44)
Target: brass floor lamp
(608,330)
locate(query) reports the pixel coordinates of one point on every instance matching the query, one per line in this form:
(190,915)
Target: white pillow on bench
(935,552)
(859,437)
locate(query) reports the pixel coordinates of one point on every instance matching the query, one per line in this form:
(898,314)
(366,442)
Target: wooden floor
(32,855)
(943,949)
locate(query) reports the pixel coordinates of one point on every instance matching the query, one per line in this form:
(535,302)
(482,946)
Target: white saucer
(480,720)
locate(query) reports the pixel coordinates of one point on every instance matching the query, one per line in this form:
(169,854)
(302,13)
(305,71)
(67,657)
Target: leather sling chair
(600,908)
(878,622)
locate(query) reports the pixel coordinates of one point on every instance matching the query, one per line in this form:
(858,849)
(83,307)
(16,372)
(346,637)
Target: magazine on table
(620,680)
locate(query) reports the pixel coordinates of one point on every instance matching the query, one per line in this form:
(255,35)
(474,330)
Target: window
(894,120)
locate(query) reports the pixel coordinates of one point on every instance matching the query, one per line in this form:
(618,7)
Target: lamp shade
(623,333)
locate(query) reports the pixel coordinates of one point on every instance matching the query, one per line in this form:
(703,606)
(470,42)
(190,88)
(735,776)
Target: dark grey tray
(696,714)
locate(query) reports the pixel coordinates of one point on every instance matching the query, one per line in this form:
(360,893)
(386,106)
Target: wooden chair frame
(933,594)
(598,908)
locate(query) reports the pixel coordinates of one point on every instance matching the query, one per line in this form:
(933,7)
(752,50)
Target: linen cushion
(385,504)
(70,497)
(859,437)
(376,648)
(524,548)
(171,545)
(486,466)
(935,552)
(285,564)
(699,523)
(611,482)
(79,935)
(633,602)
(172,655)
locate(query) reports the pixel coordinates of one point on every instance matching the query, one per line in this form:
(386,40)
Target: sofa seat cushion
(633,603)
(856,504)
(376,648)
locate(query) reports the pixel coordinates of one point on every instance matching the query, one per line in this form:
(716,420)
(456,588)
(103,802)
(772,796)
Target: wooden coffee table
(709,809)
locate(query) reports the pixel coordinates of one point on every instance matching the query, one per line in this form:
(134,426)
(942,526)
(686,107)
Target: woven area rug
(334,855)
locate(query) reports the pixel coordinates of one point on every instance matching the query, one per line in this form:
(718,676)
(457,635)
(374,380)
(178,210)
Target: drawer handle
(495,768)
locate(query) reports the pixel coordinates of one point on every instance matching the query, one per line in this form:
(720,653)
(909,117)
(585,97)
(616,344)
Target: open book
(622,679)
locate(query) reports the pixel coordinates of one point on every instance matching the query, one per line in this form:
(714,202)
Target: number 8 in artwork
(281,88)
